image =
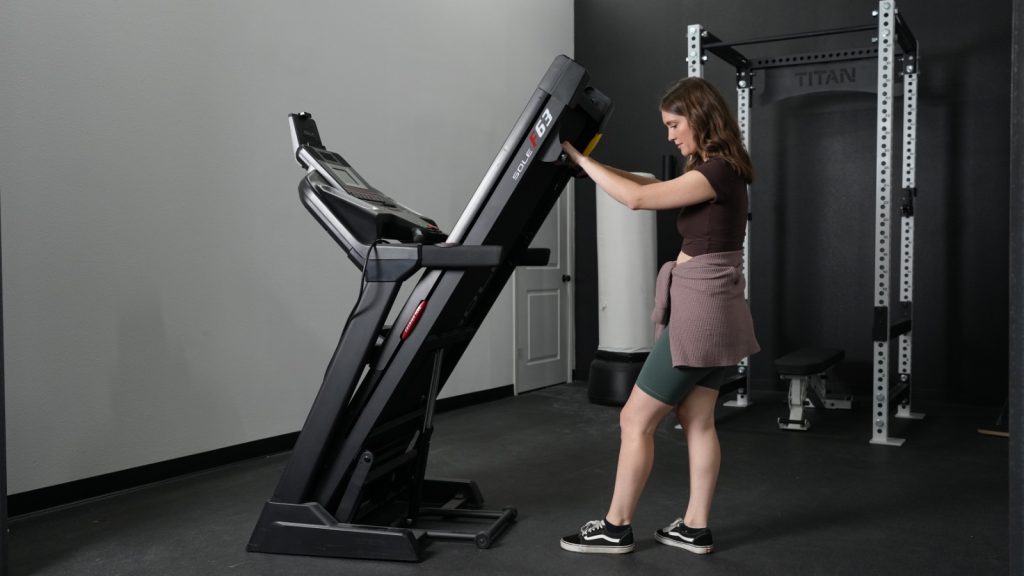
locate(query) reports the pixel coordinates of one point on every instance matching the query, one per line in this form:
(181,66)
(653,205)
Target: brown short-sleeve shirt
(718,225)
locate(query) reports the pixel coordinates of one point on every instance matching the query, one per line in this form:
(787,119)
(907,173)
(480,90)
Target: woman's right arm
(645,194)
(634,177)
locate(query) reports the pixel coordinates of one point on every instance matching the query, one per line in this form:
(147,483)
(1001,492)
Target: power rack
(887,65)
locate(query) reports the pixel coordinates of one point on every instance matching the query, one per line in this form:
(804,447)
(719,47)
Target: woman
(709,324)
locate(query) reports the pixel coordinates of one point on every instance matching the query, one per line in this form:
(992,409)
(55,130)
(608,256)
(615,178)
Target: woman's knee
(695,419)
(640,417)
(633,423)
(699,426)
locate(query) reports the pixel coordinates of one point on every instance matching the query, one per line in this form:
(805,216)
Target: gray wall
(165,292)
(813,199)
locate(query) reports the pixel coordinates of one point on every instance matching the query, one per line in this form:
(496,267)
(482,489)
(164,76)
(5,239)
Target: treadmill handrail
(457,256)
(397,262)
(355,249)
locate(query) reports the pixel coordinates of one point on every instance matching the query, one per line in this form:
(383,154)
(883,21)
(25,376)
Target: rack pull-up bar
(796,36)
(725,51)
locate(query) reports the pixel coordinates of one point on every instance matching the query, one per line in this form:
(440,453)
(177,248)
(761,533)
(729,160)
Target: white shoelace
(592,526)
(676,524)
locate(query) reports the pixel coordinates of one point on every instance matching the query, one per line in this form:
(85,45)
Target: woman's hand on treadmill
(572,158)
(571,151)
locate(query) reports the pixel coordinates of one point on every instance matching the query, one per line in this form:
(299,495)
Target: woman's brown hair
(714,129)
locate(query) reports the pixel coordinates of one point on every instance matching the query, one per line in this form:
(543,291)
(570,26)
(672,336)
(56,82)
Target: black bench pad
(806,361)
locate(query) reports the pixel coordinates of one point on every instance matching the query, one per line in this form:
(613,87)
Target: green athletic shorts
(669,384)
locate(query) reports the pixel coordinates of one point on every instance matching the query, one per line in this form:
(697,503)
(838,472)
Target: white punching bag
(626,271)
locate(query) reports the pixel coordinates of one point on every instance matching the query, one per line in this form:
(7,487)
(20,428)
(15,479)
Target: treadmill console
(366,212)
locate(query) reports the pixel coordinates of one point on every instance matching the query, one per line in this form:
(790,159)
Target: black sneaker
(697,540)
(594,538)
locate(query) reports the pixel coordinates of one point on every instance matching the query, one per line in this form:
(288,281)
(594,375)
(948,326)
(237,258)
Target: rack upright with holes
(895,61)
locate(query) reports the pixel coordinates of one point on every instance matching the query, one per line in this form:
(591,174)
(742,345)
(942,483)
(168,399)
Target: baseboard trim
(104,484)
(78,490)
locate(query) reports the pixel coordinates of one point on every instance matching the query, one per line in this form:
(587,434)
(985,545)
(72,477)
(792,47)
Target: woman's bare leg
(696,414)
(638,421)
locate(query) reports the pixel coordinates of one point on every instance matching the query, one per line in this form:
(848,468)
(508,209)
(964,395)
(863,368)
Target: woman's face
(679,133)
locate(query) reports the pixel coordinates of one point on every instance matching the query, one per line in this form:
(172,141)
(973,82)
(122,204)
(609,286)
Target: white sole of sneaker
(684,545)
(594,549)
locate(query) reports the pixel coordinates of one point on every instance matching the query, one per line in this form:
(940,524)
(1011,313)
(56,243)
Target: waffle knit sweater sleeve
(701,302)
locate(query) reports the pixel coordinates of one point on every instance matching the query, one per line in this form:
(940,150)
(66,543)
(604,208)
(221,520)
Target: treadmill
(354,485)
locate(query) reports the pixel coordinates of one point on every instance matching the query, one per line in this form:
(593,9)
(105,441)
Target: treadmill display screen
(348,176)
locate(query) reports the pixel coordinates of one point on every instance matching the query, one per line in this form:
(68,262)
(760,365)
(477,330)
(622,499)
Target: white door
(541,310)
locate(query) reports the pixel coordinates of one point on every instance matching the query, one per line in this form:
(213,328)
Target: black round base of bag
(612,375)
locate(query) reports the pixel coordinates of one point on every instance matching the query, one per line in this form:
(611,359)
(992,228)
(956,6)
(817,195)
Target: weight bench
(807,368)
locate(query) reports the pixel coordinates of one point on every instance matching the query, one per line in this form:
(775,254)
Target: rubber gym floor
(823,501)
